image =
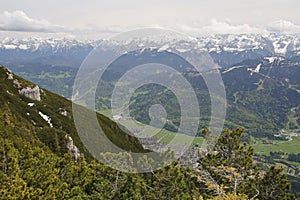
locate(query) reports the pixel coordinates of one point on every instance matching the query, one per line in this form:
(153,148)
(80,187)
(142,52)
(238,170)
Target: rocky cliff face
(31,93)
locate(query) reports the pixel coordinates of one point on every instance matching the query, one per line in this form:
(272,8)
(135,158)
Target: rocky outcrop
(74,149)
(10,75)
(63,112)
(31,93)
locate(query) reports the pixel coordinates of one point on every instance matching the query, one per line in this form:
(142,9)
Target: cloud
(226,27)
(283,26)
(19,21)
(218,27)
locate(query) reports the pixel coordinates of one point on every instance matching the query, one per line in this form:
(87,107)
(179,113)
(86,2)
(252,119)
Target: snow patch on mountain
(231,68)
(23,47)
(164,48)
(31,104)
(46,118)
(9,46)
(272,59)
(182,50)
(281,47)
(256,70)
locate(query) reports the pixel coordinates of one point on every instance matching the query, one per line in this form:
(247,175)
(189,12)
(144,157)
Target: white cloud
(226,27)
(283,26)
(19,21)
(218,27)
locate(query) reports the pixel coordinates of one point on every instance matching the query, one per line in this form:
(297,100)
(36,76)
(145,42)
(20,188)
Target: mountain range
(219,46)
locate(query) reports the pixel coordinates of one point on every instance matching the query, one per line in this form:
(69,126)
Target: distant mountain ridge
(278,43)
(222,48)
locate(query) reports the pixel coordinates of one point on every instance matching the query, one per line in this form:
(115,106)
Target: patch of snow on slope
(256,70)
(46,118)
(30,104)
(164,48)
(10,46)
(23,47)
(270,59)
(231,68)
(281,48)
(182,50)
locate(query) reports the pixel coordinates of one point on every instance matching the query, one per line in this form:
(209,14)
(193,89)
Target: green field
(167,137)
(283,146)
(164,136)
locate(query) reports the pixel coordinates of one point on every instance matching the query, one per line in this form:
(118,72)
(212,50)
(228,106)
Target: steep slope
(46,118)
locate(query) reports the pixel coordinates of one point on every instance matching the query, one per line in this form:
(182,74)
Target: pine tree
(274,185)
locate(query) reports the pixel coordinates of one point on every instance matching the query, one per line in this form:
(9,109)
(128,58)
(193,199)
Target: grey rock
(31,93)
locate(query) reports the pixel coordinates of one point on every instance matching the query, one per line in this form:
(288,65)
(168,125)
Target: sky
(100,18)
